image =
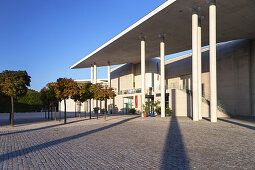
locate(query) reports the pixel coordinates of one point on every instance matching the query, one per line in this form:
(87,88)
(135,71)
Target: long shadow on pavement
(174,156)
(237,123)
(41,128)
(58,141)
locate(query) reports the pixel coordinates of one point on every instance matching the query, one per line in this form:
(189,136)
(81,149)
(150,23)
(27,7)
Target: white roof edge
(115,68)
(183,56)
(89,79)
(146,17)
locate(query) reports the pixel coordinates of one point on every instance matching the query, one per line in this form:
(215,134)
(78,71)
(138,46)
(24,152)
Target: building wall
(128,75)
(252,76)
(233,79)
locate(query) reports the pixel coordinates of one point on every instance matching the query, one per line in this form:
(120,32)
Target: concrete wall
(252,76)
(122,77)
(233,79)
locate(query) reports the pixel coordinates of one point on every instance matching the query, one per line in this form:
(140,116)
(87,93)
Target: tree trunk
(48,112)
(85,111)
(55,113)
(90,109)
(51,117)
(59,110)
(105,109)
(75,109)
(65,111)
(12,112)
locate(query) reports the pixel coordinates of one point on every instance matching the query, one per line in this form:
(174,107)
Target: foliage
(85,92)
(158,110)
(157,107)
(65,88)
(103,110)
(168,111)
(96,109)
(102,92)
(133,111)
(31,98)
(14,83)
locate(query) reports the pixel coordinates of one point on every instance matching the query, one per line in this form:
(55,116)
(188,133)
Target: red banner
(136,101)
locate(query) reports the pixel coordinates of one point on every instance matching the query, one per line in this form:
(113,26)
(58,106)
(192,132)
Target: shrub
(133,111)
(168,111)
(158,110)
(96,109)
(103,111)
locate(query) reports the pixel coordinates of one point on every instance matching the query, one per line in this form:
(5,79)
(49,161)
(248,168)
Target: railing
(139,90)
(130,91)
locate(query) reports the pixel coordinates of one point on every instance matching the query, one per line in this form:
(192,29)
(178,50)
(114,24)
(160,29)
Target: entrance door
(127,104)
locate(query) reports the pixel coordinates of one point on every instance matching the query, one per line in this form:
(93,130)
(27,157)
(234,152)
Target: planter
(144,115)
(152,115)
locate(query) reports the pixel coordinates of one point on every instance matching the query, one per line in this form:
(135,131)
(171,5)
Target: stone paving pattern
(128,142)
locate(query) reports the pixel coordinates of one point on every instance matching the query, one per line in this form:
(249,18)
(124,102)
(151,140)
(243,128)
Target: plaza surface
(126,142)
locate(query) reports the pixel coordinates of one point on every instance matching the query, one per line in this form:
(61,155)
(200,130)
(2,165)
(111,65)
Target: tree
(32,98)
(53,97)
(103,93)
(45,99)
(14,84)
(76,97)
(65,88)
(86,93)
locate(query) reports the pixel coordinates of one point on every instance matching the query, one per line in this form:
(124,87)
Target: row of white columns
(197,65)
(94,79)
(162,69)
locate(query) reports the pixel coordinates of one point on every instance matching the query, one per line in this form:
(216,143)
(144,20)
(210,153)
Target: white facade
(71,105)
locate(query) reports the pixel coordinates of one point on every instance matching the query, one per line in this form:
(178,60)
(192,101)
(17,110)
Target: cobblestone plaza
(126,142)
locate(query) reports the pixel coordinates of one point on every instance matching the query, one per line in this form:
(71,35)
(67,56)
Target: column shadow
(41,146)
(174,156)
(237,123)
(41,128)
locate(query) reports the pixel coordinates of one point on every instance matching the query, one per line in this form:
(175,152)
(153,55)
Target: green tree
(32,98)
(76,97)
(45,99)
(53,100)
(65,88)
(103,93)
(14,84)
(86,93)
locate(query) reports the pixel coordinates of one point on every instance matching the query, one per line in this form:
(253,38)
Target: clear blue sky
(46,37)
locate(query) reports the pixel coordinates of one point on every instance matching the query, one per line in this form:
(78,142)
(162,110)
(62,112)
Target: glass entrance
(127,104)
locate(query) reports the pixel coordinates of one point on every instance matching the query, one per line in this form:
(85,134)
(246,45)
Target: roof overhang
(235,20)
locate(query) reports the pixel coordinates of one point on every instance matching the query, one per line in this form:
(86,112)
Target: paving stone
(128,142)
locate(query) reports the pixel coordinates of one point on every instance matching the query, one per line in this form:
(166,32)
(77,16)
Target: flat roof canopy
(235,20)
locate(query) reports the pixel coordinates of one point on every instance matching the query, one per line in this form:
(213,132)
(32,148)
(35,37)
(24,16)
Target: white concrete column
(95,80)
(213,68)
(162,76)
(92,81)
(199,68)
(95,73)
(194,63)
(143,70)
(109,84)
(109,74)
